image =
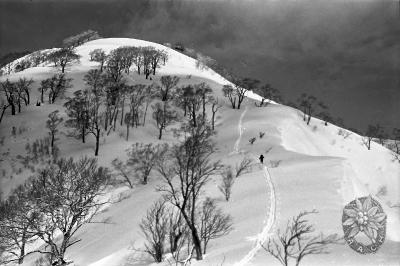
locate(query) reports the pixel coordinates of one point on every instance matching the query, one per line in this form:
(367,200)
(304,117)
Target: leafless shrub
(274,163)
(261,134)
(155,227)
(396,157)
(227,183)
(252,140)
(344,133)
(122,170)
(214,223)
(374,132)
(180,242)
(244,166)
(143,157)
(298,241)
(268,150)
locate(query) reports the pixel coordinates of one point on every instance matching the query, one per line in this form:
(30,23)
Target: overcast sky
(346,52)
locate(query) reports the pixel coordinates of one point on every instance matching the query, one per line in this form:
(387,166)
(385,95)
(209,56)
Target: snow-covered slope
(318,169)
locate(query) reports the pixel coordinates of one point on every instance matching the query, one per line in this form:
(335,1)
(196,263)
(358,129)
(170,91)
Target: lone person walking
(261,158)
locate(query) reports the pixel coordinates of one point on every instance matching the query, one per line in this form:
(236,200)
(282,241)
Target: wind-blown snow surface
(318,169)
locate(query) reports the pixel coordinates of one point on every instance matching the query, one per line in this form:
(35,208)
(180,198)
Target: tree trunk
(83,134)
(2,113)
(106,120)
(161,130)
(22,249)
(204,106)
(19,105)
(62,68)
(52,140)
(205,247)
(213,120)
(122,111)
(41,97)
(97,142)
(127,131)
(194,116)
(115,119)
(145,112)
(196,243)
(12,108)
(28,97)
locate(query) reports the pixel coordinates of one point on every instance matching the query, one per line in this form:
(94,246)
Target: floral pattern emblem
(364,225)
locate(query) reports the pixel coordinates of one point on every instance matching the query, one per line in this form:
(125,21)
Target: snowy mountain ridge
(317,169)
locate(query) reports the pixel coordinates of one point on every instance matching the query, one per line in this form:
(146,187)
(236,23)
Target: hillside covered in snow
(317,166)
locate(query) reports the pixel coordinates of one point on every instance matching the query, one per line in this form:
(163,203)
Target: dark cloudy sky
(346,52)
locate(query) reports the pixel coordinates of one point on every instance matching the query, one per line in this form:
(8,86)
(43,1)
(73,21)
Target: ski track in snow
(271,214)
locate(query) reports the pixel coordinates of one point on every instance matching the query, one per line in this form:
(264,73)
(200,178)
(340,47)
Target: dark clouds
(346,52)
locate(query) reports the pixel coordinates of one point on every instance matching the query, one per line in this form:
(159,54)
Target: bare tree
(16,233)
(115,65)
(230,93)
(143,157)
(63,57)
(164,115)
(227,183)
(147,55)
(138,58)
(372,132)
(267,92)
(241,86)
(149,94)
(215,106)
(136,96)
(11,94)
(189,164)
(52,124)
(204,91)
(157,56)
(154,226)
(324,115)
(396,144)
(77,109)
(244,166)
(98,55)
(192,98)
(23,85)
(3,106)
(66,198)
(310,105)
(56,86)
(123,170)
(94,94)
(214,223)
(298,241)
(167,84)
